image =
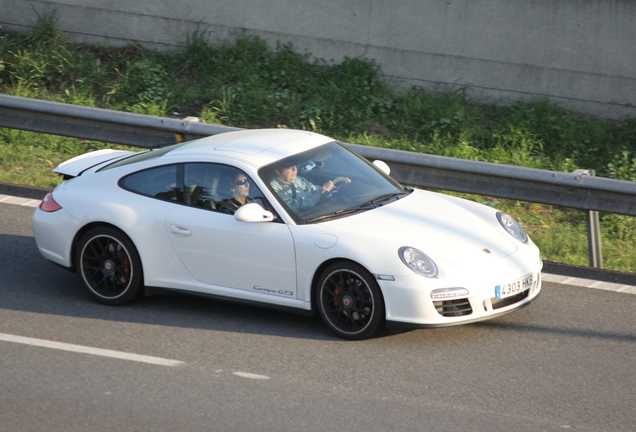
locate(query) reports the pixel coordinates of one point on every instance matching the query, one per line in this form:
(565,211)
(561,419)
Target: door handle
(180,231)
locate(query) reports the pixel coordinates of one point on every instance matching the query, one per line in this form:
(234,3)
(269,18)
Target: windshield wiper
(375,202)
(335,214)
(383,199)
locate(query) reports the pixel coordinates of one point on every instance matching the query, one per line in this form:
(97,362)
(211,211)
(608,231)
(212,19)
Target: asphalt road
(566,362)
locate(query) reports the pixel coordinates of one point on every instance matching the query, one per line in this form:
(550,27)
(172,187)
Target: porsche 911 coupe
(286,219)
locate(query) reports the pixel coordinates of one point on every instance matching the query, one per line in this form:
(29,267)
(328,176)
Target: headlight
(512,226)
(418,261)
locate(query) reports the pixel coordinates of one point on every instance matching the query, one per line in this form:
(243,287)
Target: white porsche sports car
(289,219)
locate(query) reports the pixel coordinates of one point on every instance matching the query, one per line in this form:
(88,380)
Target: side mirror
(253,212)
(383,166)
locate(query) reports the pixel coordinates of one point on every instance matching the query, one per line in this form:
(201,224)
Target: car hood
(75,166)
(439,225)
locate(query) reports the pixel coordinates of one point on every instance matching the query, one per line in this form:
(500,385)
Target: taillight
(48,204)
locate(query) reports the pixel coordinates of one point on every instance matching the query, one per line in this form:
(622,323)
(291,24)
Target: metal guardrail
(99,124)
(574,190)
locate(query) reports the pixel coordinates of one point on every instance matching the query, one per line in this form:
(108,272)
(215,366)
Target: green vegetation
(247,83)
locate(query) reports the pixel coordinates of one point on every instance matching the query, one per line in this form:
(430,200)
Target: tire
(349,301)
(108,265)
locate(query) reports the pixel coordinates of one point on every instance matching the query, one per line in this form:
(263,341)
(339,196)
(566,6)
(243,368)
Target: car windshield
(328,182)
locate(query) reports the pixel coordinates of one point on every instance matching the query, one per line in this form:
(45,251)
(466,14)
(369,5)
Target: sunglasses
(242,182)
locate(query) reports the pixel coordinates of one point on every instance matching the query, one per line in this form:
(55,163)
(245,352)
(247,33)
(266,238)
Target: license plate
(514,287)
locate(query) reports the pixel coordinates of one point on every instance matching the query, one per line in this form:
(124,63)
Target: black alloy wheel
(109,266)
(350,302)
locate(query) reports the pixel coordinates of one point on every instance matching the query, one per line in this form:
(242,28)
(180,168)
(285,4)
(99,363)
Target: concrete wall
(580,53)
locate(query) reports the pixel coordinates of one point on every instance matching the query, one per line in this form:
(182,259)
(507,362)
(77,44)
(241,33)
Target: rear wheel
(109,266)
(349,301)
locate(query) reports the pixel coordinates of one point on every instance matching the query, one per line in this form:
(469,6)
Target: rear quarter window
(161,182)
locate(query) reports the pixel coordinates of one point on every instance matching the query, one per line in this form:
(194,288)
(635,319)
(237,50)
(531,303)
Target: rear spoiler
(77,165)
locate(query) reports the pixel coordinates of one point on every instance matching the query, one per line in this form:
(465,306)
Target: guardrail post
(595,252)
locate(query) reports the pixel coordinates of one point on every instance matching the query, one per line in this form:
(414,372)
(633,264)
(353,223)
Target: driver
(298,193)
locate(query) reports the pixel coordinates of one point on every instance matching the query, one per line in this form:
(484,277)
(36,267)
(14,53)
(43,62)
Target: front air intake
(453,308)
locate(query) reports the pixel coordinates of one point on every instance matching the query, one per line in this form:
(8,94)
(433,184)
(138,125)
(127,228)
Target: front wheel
(108,265)
(349,301)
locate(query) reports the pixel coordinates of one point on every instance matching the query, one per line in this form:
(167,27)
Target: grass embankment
(247,84)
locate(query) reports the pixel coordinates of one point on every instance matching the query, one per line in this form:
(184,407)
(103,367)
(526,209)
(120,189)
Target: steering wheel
(340,180)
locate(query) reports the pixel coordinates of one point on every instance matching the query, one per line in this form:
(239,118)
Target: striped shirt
(299,195)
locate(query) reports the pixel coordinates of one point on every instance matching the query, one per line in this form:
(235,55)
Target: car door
(218,250)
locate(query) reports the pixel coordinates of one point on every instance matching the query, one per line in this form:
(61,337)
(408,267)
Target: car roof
(258,146)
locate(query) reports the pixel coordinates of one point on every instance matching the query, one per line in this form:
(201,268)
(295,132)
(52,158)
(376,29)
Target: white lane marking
(25,202)
(588,283)
(89,350)
(251,375)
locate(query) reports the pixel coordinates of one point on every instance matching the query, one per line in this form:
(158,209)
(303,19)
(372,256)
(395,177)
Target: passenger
(297,192)
(240,188)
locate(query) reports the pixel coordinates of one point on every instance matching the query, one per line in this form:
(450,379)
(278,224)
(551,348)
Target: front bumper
(411,325)
(409,304)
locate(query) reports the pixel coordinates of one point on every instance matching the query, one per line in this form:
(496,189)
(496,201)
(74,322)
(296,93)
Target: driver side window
(218,187)
(209,186)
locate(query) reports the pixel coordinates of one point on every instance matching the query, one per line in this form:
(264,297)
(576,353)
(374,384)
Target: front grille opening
(453,308)
(496,304)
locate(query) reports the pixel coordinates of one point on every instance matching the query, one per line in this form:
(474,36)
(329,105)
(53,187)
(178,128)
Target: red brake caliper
(126,266)
(336,292)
